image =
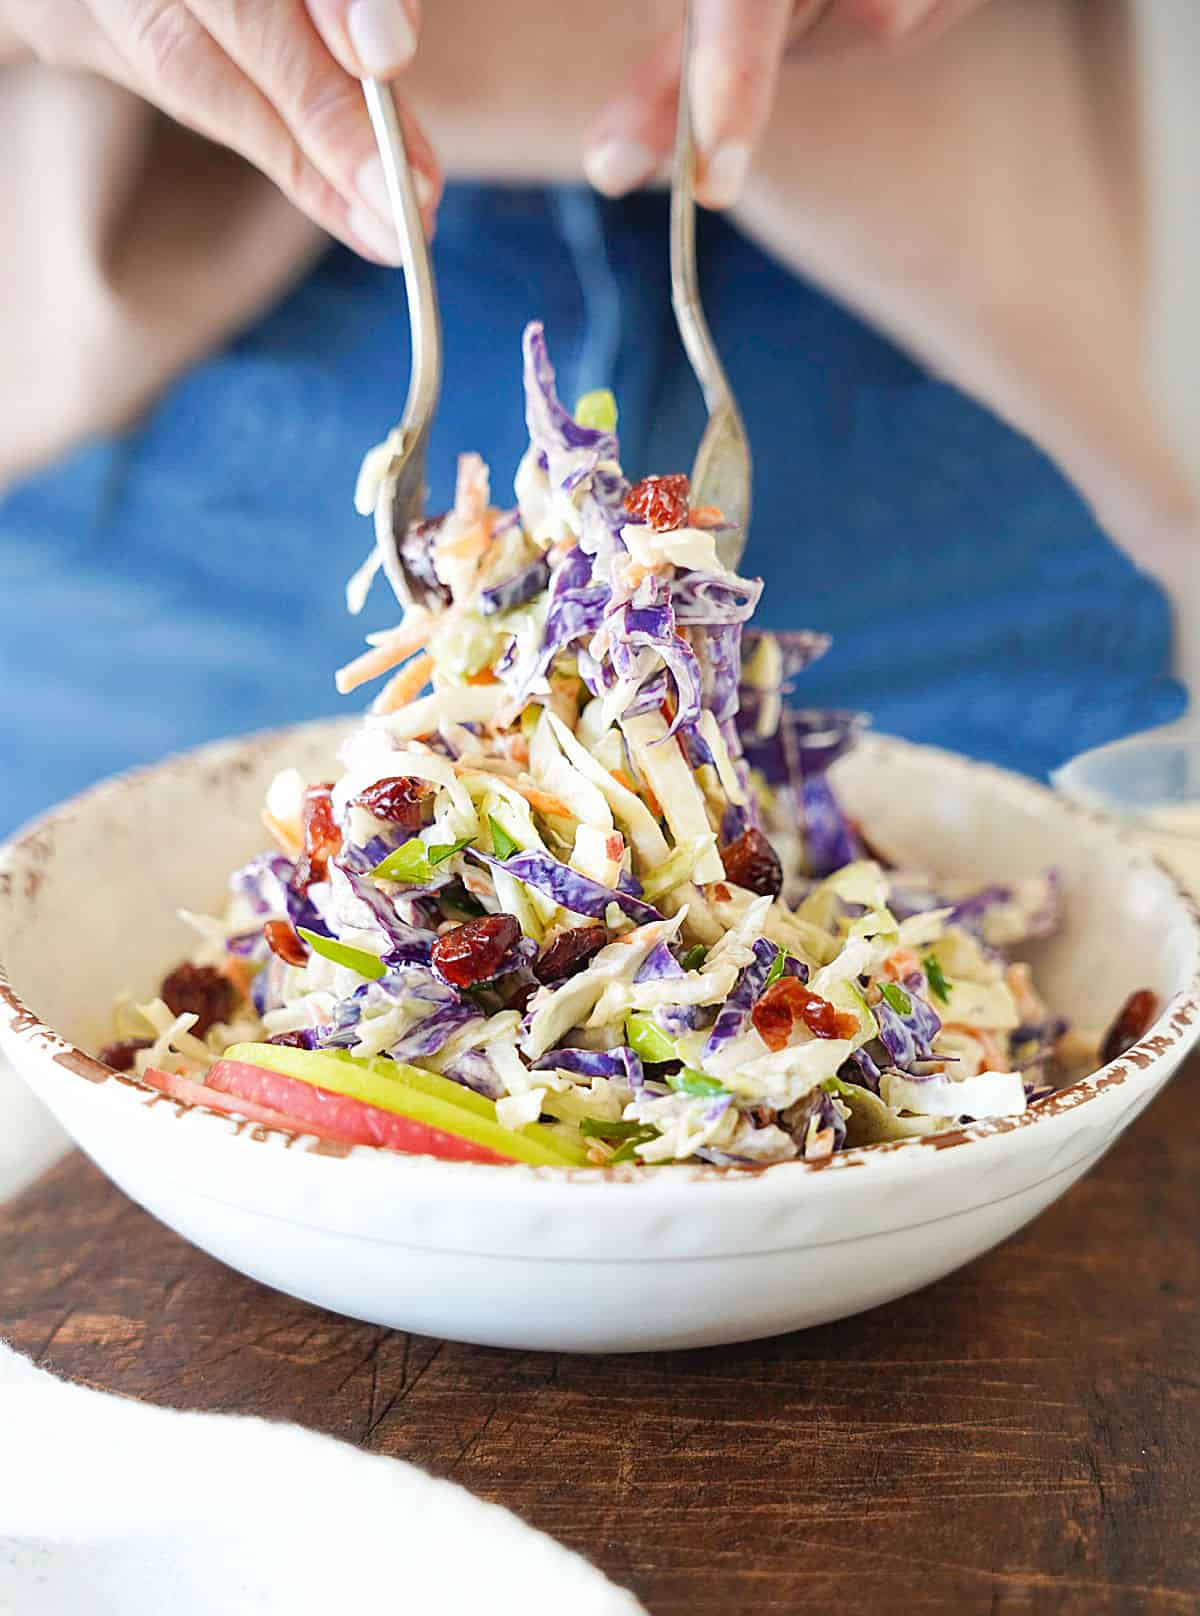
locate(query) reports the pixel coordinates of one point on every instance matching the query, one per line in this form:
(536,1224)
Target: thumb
(371,38)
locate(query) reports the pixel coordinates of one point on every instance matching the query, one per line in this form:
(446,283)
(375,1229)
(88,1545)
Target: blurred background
(933,298)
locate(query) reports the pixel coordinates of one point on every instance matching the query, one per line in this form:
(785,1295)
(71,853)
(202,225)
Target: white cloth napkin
(110,1507)
(30,1139)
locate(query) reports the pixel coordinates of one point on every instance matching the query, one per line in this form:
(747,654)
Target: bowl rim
(22,1030)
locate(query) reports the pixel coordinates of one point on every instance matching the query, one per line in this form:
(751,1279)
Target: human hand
(276,80)
(737,50)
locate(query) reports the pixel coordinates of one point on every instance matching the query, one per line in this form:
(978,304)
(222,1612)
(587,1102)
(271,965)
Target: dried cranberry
(283,942)
(1133,1022)
(752,862)
(201,991)
(787,1001)
(322,838)
(569,952)
(474,952)
(660,501)
(120,1055)
(772,1016)
(515,992)
(401,799)
(823,1019)
(290,1040)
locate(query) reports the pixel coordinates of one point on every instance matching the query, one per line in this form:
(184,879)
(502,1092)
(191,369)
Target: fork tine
(722,471)
(401,496)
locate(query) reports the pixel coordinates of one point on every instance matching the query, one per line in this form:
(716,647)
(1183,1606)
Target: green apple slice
(411,1092)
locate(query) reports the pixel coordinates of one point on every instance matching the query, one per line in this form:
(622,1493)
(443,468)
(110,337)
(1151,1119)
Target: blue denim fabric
(184,580)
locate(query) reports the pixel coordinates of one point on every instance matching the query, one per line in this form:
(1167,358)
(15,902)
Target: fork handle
(721,472)
(424,319)
(685,288)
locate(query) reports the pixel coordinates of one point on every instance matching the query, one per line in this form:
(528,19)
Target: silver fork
(400,500)
(721,473)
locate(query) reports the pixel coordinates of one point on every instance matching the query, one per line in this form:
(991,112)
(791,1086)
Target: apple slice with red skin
(285,1102)
(356,1120)
(420,1097)
(192,1093)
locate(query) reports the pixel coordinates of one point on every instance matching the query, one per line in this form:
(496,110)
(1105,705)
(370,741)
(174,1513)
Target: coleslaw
(583,892)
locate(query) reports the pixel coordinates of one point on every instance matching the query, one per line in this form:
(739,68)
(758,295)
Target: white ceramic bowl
(553,1258)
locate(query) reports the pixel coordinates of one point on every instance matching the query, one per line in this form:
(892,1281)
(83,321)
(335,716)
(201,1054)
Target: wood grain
(1023,1437)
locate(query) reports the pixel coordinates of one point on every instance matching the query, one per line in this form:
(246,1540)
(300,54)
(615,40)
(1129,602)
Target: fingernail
(618,165)
(725,173)
(724,159)
(712,94)
(374,233)
(384,39)
(372,188)
(425,188)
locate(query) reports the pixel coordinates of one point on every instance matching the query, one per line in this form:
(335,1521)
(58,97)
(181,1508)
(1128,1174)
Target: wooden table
(1023,1437)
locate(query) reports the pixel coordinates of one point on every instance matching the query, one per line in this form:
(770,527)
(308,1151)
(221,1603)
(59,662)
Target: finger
(633,135)
(276,45)
(62,33)
(377,39)
(179,66)
(825,26)
(370,38)
(736,52)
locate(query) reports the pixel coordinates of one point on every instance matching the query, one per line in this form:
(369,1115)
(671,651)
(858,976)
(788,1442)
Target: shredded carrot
(901,962)
(1020,982)
(514,747)
(543,801)
(993,1056)
(239,973)
(645,794)
(485,676)
(500,767)
(288,836)
(468,545)
(472,487)
(405,685)
(636,572)
(412,635)
(819,1144)
(506,772)
(705,516)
